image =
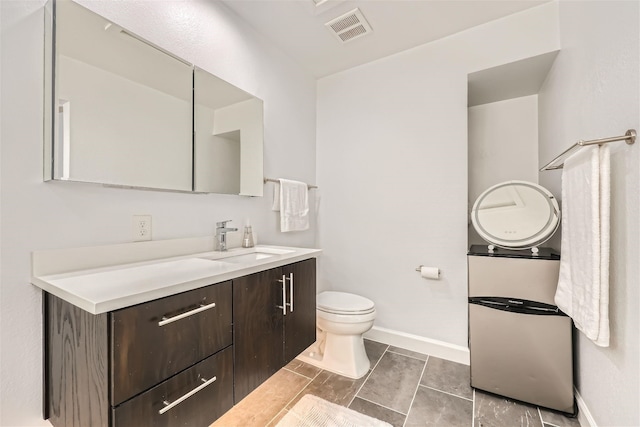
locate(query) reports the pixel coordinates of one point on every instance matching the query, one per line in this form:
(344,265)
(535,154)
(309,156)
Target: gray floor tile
(374,350)
(410,353)
(393,382)
(396,419)
(494,411)
(331,387)
(434,408)
(447,376)
(558,420)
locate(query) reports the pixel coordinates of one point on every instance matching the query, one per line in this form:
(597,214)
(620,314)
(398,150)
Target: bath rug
(311,411)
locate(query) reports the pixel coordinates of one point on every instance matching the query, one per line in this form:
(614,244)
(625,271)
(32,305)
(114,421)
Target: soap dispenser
(247,239)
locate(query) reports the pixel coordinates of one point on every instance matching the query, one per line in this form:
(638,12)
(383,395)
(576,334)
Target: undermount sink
(257,255)
(239,259)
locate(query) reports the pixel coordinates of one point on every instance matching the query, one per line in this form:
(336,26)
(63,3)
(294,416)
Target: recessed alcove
(503,125)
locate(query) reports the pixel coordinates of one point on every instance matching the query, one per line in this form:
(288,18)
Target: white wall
(392,166)
(592,92)
(37,215)
(503,146)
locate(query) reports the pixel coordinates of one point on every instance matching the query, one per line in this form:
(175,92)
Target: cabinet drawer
(153,341)
(531,279)
(192,407)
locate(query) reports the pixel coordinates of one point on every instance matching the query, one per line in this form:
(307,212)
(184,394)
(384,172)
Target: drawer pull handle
(290,304)
(168,405)
(203,307)
(284,295)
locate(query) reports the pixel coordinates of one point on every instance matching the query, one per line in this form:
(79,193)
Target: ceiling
(298,26)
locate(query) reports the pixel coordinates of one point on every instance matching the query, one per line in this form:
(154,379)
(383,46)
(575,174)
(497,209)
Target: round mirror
(516,215)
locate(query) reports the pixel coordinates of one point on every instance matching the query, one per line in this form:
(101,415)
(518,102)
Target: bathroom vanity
(147,343)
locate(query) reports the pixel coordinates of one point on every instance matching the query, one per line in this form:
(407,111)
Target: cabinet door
(258,329)
(300,321)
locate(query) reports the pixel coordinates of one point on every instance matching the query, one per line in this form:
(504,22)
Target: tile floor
(403,388)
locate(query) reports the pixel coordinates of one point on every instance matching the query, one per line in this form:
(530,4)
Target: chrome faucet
(221,233)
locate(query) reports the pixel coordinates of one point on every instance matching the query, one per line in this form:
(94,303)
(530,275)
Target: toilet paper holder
(419,270)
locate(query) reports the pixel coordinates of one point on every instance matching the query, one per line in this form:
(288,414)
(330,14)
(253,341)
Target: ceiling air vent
(349,26)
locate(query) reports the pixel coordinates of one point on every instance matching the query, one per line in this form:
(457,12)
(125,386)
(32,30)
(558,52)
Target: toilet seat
(344,303)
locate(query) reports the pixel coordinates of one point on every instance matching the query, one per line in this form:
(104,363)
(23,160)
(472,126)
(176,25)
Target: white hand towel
(275,206)
(583,285)
(294,206)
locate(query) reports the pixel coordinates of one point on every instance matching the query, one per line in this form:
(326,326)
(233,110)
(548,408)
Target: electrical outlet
(141,228)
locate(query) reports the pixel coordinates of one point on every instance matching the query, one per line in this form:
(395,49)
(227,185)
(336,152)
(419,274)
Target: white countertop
(109,288)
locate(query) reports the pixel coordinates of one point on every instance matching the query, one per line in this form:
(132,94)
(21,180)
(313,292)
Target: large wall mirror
(125,112)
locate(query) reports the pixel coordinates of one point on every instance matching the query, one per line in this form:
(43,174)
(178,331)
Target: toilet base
(342,354)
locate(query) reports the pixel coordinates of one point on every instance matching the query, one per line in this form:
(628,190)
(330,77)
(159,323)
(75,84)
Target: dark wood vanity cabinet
(183,360)
(110,369)
(274,321)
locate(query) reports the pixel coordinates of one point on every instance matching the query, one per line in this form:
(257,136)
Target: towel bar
(309,186)
(629,136)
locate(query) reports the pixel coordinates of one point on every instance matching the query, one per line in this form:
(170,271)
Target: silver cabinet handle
(291,291)
(168,405)
(203,307)
(284,295)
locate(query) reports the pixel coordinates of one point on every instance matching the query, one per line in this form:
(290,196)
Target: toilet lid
(343,303)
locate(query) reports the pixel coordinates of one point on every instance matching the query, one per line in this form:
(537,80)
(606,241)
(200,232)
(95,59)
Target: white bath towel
(294,205)
(275,206)
(583,285)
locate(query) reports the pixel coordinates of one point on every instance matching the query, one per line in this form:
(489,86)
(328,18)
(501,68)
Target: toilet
(342,319)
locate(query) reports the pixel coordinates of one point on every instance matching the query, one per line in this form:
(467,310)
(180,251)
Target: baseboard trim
(441,349)
(584,416)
